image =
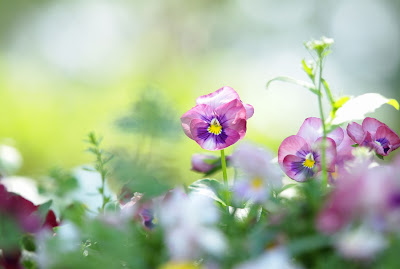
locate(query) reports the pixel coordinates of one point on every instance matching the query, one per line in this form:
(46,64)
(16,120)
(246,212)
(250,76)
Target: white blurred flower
(10,160)
(188,221)
(67,239)
(258,173)
(274,259)
(361,243)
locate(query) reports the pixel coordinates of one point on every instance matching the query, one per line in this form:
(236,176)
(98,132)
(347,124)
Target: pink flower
(218,120)
(26,218)
(375,135)
(366,194)
(299,155)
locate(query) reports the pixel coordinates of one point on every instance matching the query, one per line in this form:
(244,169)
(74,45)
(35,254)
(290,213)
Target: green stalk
(225,175)
(324,179)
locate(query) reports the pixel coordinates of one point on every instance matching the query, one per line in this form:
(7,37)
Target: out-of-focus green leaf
(151,116)
(304,84)
(150,179)
(356,108)
(28,242)
(210,188)
(43,209)
(75,212)
(307,69)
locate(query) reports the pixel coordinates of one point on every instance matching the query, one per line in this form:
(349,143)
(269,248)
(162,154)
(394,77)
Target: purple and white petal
(202,111)
(311,129)
(293,145)
(249,110)
(294,168)
(387,138)
(356,132)
(371,125)
(231,112)
(344,150)
(337,135)
(330,153)
(219,97)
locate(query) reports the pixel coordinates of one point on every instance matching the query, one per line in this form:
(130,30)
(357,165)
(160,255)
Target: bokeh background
(68,67)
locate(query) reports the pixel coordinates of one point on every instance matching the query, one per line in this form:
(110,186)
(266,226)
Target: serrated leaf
(357,107)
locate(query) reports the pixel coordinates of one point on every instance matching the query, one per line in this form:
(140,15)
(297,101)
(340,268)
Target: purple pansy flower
(375,135)
(299,155)
(218,120)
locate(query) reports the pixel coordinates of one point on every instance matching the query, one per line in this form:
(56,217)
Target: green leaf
(210,188)
(28,242)
(379,156)
(355,145)
(356,108)
(307,244)
(307,69)
(296,82)
(340,102)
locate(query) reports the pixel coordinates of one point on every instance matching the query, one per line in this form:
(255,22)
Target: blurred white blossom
(273,259)
(189,223)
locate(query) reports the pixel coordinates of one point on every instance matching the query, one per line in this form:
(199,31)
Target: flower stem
(225,175)
(324,179)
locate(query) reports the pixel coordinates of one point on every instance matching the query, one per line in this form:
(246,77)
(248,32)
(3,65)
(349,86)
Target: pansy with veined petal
(375,135)
(218,120)
(299,155)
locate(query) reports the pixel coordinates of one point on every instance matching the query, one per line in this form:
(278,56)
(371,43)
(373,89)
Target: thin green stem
(324,179)
(225,175)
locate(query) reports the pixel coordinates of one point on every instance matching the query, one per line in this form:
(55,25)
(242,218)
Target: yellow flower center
(257,183)
(309,162)
(215,127)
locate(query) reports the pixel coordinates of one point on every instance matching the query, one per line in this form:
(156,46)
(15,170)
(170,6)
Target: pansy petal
(230,112)
(371,125)
(221,96)
(232,136)
(249,111)
(344,150)
(356,132)
(337,135)
(202,111)
(311,129)
(240,127)
(292,145)
(209,141)
(330,153)
(385,132)
(293,167)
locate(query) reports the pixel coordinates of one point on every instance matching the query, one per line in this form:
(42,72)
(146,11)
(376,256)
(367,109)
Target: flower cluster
(300,155)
